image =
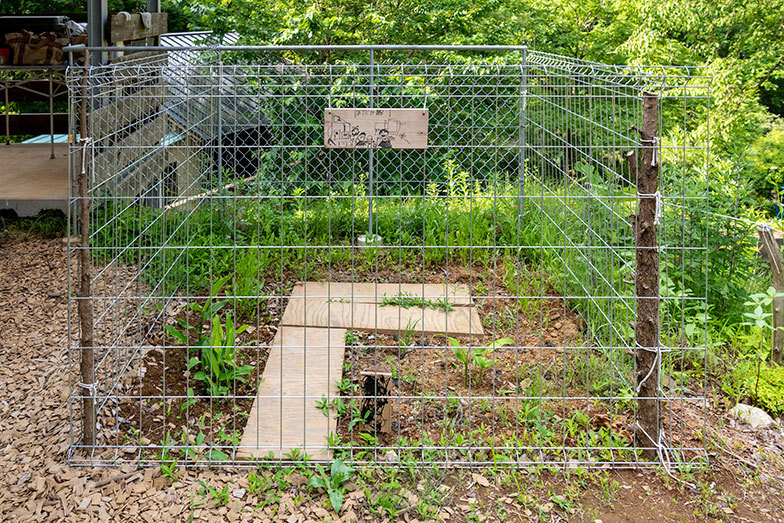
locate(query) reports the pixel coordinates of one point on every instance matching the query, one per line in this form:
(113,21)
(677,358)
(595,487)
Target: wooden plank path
(456,293)
(357,306)
(370,317)
(306,356)
(302,367)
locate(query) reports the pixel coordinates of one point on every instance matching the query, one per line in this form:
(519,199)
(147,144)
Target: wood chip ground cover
(744,483)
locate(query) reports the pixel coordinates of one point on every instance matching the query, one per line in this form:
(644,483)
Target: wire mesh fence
(386,255)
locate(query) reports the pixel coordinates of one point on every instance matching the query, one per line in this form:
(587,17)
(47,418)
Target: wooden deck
(32,181)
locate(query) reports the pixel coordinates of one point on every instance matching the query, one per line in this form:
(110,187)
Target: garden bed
(541,387)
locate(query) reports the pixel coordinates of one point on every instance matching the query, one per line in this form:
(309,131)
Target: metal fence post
(87,361)
(523,96)
(371,157)
(648,348)
(219,119)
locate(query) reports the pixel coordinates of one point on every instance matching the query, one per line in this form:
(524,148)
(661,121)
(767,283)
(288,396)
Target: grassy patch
(407,300)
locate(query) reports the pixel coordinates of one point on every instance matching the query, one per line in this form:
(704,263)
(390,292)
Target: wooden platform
(30,180)
(358,306)
(306,356)
(303,366)
(457,293)
(371,317)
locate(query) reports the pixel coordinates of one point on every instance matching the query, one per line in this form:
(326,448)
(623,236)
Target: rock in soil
(391,456)
(757,418)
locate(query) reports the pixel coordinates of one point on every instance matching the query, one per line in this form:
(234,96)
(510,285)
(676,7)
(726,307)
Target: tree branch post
(87,360)
(772,252)
(647,353)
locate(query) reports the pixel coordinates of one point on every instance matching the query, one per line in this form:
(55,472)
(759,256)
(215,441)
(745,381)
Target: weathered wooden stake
(375,387)
(87,363)
(772,252)
(647,281)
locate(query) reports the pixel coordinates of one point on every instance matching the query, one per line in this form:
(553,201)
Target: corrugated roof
(200,89)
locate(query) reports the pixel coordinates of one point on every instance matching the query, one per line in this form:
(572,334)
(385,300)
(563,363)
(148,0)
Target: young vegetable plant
(206,312)
(216,363)
(332,483)
(481,357)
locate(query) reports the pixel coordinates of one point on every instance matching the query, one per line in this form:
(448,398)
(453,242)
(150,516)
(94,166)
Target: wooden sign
(375,128)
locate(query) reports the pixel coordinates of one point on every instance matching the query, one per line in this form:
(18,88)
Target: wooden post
(647,281)
(87,362)
(375,389)
(772,252)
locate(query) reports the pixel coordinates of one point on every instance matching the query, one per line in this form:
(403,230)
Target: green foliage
(480,357)
(205,311)
(216,364)
(48,224)
(768,391)
(339,473)
(408,334)
(407,300)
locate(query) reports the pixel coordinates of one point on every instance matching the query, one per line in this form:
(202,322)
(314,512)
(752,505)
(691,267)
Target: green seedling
(407,300)
(357,416)
(206,312)
(333,483)
(169,470)
(481,357)
(345,386)
(216,363)
(189,402)
(190,451)
(323,405)
(409,333)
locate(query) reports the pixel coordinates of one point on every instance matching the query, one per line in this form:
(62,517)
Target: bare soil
(743,483)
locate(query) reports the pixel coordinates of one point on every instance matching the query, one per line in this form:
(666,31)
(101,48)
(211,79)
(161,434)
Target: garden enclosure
(385,254)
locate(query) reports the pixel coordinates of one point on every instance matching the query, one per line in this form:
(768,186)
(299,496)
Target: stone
(391,456)
(757,418)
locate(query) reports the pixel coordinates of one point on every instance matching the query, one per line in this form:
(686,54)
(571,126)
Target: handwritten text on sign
(375,128)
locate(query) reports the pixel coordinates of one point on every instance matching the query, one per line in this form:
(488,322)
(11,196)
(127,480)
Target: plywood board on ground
(323,312)
(457,293)
(302,367)
(353,128)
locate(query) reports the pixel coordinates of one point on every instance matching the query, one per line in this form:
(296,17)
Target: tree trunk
(647,283)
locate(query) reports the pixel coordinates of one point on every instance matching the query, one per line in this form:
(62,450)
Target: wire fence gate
(406,255)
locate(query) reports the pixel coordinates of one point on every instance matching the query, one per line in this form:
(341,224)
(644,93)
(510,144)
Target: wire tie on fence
(663,452)
(654,365)
(658,197)
(85,142)
(658,212)
(655,156)
(92,388)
